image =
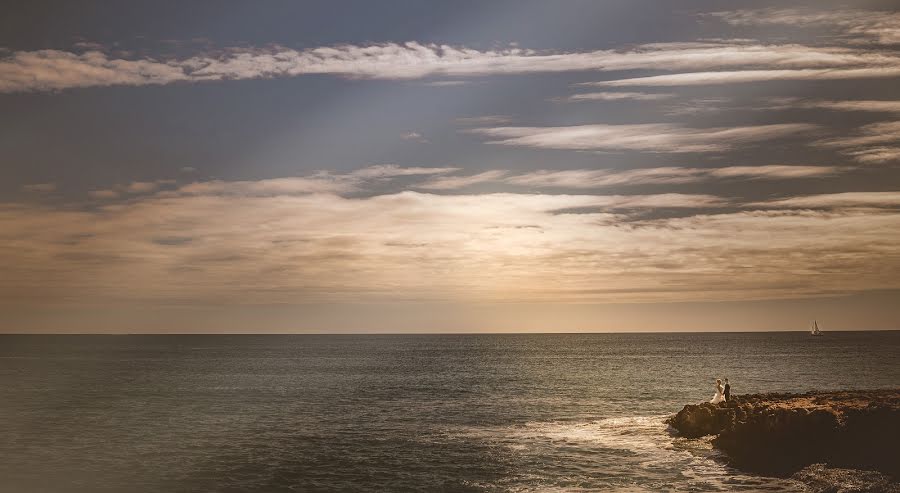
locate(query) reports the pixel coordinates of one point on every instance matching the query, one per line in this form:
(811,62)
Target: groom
(727,391)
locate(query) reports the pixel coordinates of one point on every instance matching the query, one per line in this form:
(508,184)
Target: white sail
(815,329)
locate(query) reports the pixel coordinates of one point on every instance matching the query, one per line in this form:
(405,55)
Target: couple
(723,394)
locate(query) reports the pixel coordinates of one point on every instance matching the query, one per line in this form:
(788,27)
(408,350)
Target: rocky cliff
(783,433)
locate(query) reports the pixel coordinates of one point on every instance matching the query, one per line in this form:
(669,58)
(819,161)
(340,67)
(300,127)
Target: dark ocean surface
(395,412)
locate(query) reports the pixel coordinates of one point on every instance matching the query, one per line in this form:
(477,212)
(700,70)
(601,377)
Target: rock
(702,419)
(822,479)
(783,433)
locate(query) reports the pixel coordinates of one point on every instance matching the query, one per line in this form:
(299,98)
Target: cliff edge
(783,433)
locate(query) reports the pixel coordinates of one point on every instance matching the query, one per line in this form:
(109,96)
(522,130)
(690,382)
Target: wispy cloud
(654,137)
(414,136)
(270,187)
(48,70)
(135,187)
(619,96)
(599,178)
(860,26)
(844,199)
(875,154)
(387,171)
(873,133)
(868,144)
(322,182)
(742,76)
(774,171)
(586,179)
(457,182)
(873,106)
(361,181)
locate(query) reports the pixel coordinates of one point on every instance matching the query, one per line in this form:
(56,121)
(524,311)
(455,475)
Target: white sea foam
(627,454)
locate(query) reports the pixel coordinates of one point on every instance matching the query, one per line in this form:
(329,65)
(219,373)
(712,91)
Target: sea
(455,413)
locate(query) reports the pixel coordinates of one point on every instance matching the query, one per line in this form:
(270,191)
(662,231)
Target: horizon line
(430,333)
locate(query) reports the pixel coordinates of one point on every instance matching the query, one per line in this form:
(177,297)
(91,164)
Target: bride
(719,397)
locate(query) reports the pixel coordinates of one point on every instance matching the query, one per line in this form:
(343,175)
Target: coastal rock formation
(783,433)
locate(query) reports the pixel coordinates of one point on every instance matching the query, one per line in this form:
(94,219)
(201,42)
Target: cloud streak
(49,70)
(619,96)
(457,182)
(870,143)
(844,199)
(322,182)
(745,76)
(653,137)
(860,26)
(873,106)
(599,178)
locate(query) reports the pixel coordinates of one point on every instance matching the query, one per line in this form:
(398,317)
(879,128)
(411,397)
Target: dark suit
(727,392)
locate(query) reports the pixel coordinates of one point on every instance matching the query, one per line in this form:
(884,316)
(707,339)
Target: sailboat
(814,330)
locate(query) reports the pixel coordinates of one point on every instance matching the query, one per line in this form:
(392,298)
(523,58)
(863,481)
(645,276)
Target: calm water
(394,413)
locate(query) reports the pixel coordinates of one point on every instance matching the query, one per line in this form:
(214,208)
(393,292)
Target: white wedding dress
(719,397)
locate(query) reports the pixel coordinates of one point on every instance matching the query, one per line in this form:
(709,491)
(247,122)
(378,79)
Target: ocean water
(395,412)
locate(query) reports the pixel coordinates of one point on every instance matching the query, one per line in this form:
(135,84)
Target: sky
(465,166)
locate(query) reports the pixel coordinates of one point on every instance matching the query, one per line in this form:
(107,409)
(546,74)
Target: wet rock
(821,479)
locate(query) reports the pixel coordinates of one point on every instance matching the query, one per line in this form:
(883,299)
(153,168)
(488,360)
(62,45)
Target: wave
(636,453)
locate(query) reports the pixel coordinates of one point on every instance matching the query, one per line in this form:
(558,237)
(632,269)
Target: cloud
(442,178)
(774,172)
(875,154)
(321,182)
(661,201)
(653,137)
(873,133)
(585,179)
(861,26)
(287,248)
(600,178)
(270,187)
(868,144)
(711,105)
(456,182)
(40,187)
(698,106)
(392,170)
(135,187)
(743,76)
(875,106)
(618,96)
(845,199)
(415,136)
(49,70)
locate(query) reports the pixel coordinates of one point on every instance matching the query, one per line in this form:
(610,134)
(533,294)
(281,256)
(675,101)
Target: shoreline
(845,437)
